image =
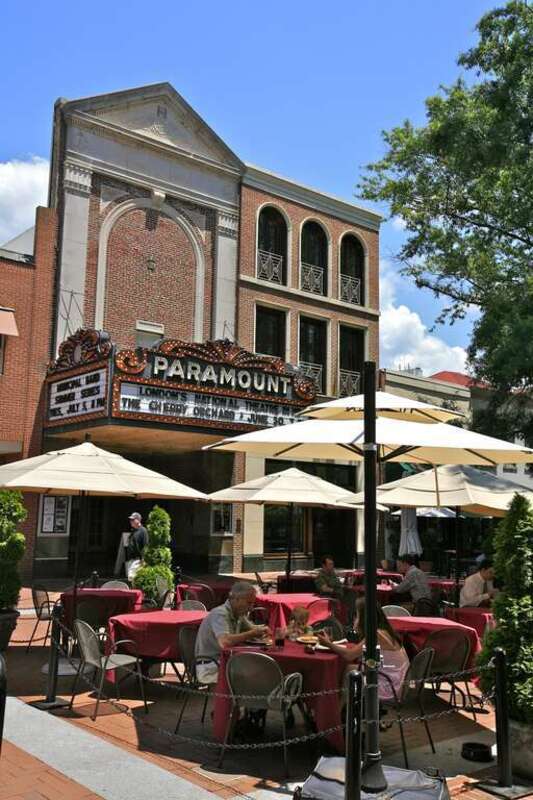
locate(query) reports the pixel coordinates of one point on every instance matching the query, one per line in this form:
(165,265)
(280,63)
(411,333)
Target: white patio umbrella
(437,513)
(291,487)
(397,440)
(471,490)
(87,470)
(387,405)
(409,539)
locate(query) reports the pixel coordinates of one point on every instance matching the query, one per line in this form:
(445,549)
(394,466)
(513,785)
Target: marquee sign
(215,384)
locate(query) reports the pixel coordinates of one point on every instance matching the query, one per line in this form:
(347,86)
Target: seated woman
(395,659)
(298,623)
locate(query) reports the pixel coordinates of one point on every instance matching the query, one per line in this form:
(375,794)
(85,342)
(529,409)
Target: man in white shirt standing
(478,589)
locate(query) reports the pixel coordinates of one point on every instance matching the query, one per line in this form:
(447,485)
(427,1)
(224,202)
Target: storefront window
(277,526)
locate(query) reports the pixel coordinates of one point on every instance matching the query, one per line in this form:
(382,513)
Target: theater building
(195,297)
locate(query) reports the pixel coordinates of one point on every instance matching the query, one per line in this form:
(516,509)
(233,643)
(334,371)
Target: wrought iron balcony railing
(350,290)
(349,382)
(314,371)
(269,267)
(312,278)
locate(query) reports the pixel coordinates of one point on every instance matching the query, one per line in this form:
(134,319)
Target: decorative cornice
(279,186)
(228,225)
(83,347)
(77,178)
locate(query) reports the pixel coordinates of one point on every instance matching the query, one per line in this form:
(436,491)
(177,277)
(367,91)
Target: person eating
(478,589)
(225,626)
(414,586)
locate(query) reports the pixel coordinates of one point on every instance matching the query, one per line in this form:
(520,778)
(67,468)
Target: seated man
(414,586)
(478,589)
(225,626)
(327,582)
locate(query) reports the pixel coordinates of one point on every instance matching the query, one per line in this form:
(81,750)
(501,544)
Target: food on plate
(307,638)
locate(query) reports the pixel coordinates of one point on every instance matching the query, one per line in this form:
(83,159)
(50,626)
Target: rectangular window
(2,352)
(510,468)
(313,348)
(270,331)
(351,359)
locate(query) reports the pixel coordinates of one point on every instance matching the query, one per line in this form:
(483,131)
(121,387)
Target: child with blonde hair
(298,623)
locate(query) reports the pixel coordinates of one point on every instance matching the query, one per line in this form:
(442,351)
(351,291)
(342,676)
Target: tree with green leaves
(157,557)
(12,546)
(513,608)
(463,185)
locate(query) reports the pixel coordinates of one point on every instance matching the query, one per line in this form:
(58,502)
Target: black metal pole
(81,538)
(503,740)
(53,658)
(373,779)
(457,554)
(288,569)
(354,726)
(3,695)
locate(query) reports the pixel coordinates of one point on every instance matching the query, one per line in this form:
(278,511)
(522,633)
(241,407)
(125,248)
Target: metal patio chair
(90,656)
(191,605)
(424,607)
(43,609)
(258,675)
(265,586)
(411,689)
(259,615)
(187,645)
(452,654)
(337,630)
(395,611)
(114,585)
(201,592)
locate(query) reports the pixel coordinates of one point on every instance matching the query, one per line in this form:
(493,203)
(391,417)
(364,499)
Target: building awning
(8,325)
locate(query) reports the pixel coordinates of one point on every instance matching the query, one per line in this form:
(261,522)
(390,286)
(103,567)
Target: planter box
(521,748)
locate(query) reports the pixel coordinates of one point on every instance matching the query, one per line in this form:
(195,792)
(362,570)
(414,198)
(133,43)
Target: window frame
(327,268)
(328,365)
(288,225)
(281,310)
(364,294)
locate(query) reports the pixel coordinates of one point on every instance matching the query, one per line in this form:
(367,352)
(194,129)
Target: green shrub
(157,557)
(12,546)
(513,608)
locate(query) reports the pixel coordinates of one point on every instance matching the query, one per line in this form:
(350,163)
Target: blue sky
(301,88)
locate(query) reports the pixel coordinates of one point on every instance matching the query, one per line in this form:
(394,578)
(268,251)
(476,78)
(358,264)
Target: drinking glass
(279,637)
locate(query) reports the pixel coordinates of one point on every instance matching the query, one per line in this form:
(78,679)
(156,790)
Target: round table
(154,634)
(280,607)
(109,602)
(320,670)
(478,618)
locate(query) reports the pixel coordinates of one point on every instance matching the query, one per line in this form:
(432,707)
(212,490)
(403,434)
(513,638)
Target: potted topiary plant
(157,557)
(12,546)
(513,611)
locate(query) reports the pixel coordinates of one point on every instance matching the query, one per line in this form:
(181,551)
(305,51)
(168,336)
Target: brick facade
(28,288)
(295,302)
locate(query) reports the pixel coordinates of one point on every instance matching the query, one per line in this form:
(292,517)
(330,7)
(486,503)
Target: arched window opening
(314,259)
(272,246)
(351,288)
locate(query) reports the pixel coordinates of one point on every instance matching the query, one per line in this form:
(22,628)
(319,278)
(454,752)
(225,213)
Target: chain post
(3,695)
(503,740)
(95,580)
(354,733)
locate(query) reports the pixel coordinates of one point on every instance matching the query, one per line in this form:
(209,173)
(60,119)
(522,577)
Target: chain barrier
(194,740)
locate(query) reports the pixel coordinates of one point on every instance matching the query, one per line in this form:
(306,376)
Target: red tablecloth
(478,618)
(108,601)
(381,573)
(320,671)
(220,588)
(416,630)
(154,633)
(280,606)
(384,591)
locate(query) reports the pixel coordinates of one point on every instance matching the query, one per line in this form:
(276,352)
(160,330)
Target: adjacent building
(189,295)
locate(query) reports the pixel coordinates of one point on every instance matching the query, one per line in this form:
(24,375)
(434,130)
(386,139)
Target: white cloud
(405,340)
(398,224)
(23,186)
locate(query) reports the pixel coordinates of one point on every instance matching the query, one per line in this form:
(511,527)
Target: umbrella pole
(82,530)
(457,553)
(373,779)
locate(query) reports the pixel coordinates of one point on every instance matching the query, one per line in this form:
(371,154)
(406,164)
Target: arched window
(351,288)
(272,246)
(314,259)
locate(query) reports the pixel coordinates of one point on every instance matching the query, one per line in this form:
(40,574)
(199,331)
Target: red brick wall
(166,295)
(303,303)
(28,288)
